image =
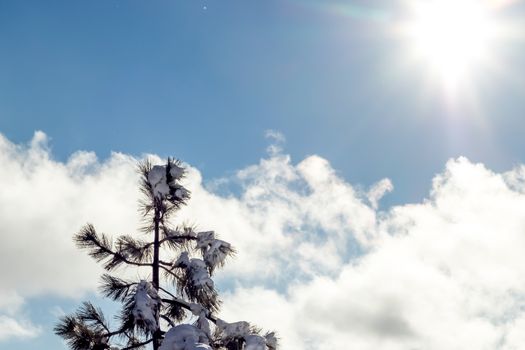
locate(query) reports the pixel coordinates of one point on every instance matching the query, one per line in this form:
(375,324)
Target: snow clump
(241,329)
(255,342)
(146,306)
(203,324)
(163,182)
(233,330)
(196,270)
(271,340)
(185,337)
(214,251)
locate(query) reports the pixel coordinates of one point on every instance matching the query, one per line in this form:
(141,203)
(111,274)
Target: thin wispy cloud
(11,328)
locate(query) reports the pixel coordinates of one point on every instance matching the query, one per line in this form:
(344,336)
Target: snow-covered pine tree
(178,293)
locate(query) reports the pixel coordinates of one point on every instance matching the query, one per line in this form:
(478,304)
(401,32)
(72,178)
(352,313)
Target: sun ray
(452,37)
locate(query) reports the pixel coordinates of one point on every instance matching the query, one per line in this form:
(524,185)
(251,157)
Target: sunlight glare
(452,37)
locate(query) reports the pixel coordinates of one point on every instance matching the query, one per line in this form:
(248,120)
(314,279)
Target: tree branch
(175,238)
(167,292)
(187,306)
(168,270)
(138,345)
(100,248)
(167,319)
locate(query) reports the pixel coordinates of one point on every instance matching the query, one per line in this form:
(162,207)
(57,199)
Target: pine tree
(178,293)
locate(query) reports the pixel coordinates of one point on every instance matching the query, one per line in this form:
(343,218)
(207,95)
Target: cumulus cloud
(318,262)
(43,202)
(298,219)
(448,273)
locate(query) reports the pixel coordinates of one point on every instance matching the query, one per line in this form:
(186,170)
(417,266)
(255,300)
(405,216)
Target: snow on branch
(237,333)
(163,181)
(214,251)
(185,337)
(147,305)
(195,282)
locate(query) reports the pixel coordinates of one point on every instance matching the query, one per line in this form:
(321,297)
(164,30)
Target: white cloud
(10,301)
(43,202)
(305,208)
(378,191)
(263,307)
(10,328)
(317,261)
(450,274)
(277,141)
(13,323)
(298,219)
(275,136)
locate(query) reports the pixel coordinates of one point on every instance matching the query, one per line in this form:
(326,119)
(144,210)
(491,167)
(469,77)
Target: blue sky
(170,77)
(205,80)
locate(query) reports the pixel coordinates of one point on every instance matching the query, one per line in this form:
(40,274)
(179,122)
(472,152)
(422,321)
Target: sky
(323,141)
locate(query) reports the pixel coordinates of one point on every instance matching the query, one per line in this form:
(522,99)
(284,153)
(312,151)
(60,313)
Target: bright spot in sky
(452,38)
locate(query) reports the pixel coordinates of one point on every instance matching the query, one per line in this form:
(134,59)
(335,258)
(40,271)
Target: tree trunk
(156,258)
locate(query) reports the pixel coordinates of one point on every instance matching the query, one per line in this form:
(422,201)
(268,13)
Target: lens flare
(452,37)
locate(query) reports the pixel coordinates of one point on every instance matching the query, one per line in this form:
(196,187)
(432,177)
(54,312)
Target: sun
(453,38)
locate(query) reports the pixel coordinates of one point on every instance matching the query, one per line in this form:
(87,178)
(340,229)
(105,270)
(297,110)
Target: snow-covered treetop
(164,182)
(185,300)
